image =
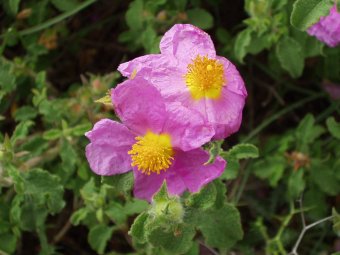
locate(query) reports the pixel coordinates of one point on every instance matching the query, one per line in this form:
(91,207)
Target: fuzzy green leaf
(221,228)
(25,113)
(333,127)
(173,241)
(46,188)
(324,177)
(296,184)
(65,6)
(137,228)
(242,42)
(52,134)
(98,237)
(203,199)
(307,12)
(289,53)
(201,18)
(244,151)
(21,130)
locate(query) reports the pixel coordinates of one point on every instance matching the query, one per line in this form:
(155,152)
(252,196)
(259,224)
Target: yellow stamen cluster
(205,78)
(152,153)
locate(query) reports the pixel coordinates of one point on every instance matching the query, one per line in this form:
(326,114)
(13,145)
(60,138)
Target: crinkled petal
(185,42)
(327,29)
(187,172)
(234,81)
(188,128)
(107,151)
(225,114)
(139,105)
(149,67)
(190,167)
(146,186)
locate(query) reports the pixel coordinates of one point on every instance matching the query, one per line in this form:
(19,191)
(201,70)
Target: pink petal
(146,186)
(150,64)
(188,128)
(107,151)
(225,114)
(233,78)
(185,42)
(187,172)
(332,89)
(139,105)
(327,29)
(190,167)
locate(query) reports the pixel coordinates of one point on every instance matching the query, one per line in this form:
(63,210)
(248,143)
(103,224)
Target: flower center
(152,153)
(205,78)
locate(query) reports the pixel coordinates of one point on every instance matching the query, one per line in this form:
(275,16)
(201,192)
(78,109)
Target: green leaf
(52,134)
(116,213)
(98,237)
(149,39)
(307,131)
(221,228)
(14,6)
(65,6)
(79,215)
(106,100)
(21,130)
(8,243)
(214,151)
(134,15)
(68,155)
(162,194)
(232,168)
(46,188)
(7,78)
(80,129)
(200,18)
(296,184)
(307,12)
(244,151)
(242,42)
(173,241)
(324,177)
(336,221)
(333,127)
(204,199)
(25,113)
(137,228)
(135,206)
(290,55)
(271,169)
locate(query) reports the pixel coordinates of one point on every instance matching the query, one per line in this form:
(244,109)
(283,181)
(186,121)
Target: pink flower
(332,89)
(159,141)
(327,29)
(188,71)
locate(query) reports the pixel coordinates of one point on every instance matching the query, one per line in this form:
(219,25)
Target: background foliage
(59,57)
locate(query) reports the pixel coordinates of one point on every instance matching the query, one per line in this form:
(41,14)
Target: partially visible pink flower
(188,71)
(327,29)
(157,141)
(332,89)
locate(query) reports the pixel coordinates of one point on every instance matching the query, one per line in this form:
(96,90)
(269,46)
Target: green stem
(54,20)
(277,115)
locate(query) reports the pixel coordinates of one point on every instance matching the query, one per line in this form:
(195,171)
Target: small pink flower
(332,89)
(188,71)
(327,29)
(157,141)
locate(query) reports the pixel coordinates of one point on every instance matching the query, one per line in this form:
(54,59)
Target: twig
(304,230)
(210,249)
(62,232)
